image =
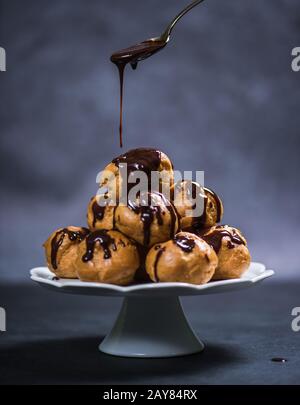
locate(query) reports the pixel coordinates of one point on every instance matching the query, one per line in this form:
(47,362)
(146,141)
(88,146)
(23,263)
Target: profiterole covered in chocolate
(107,257)
(146,160)
(231,249)
(100,213)
(61,250)
(185,258)
(198,206)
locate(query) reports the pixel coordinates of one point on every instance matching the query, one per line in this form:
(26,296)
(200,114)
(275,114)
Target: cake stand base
(151,327)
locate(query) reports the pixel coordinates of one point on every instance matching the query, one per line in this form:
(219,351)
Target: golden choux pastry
(100,214)
(186,258)
(146,160)
(148,220)
(231,248)
(61,250)
(208,212)
(107,257)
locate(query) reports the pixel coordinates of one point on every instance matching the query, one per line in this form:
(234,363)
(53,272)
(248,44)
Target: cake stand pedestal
(151,322)
(151,327)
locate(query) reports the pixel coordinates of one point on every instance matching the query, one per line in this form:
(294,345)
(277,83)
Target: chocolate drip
(214,239)
(147,212)
(114,217)
(98,212)
(160,251)
(59,238)
(146,160)
(132,55)
(185,243)
(218,203)
(105,241)
(143,159)
(200,222)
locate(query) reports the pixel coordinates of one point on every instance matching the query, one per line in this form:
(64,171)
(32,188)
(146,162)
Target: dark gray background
(221,98)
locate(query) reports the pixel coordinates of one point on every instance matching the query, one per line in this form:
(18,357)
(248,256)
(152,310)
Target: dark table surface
(52,338)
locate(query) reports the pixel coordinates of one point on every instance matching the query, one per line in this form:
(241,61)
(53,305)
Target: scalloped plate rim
(67,284)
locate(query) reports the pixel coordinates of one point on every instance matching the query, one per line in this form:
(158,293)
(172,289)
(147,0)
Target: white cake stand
(151,322)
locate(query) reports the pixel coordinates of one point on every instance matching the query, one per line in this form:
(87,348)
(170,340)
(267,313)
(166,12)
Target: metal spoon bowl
(143,50)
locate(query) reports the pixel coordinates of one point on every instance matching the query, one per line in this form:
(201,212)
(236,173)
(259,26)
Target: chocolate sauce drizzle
(185,243)
(105,241)
(146,160)
(133,55)
(200,222)
(98,212)
(98,208)
(142,159)
(214,239)
(218,202)
(148,212)
(160,251)
(58,239)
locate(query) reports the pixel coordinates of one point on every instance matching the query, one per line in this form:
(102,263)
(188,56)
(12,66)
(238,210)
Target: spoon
(143,50)
(166,35)
(136,53)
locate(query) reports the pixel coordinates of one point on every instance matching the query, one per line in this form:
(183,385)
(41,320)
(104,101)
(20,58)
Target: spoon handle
(167,32)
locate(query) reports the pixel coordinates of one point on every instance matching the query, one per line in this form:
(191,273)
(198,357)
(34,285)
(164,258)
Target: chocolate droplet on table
(279,360)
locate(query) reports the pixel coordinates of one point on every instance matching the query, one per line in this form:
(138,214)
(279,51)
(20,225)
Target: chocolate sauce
(142,159)
(133,55)
(214,239)
(114,217)
(185,243)
(147,212)
(279,360)
(58,239)
(98,212)
(105,241)
(98,208)
(218,203)
(199,222)
(160,251)
(146,160)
